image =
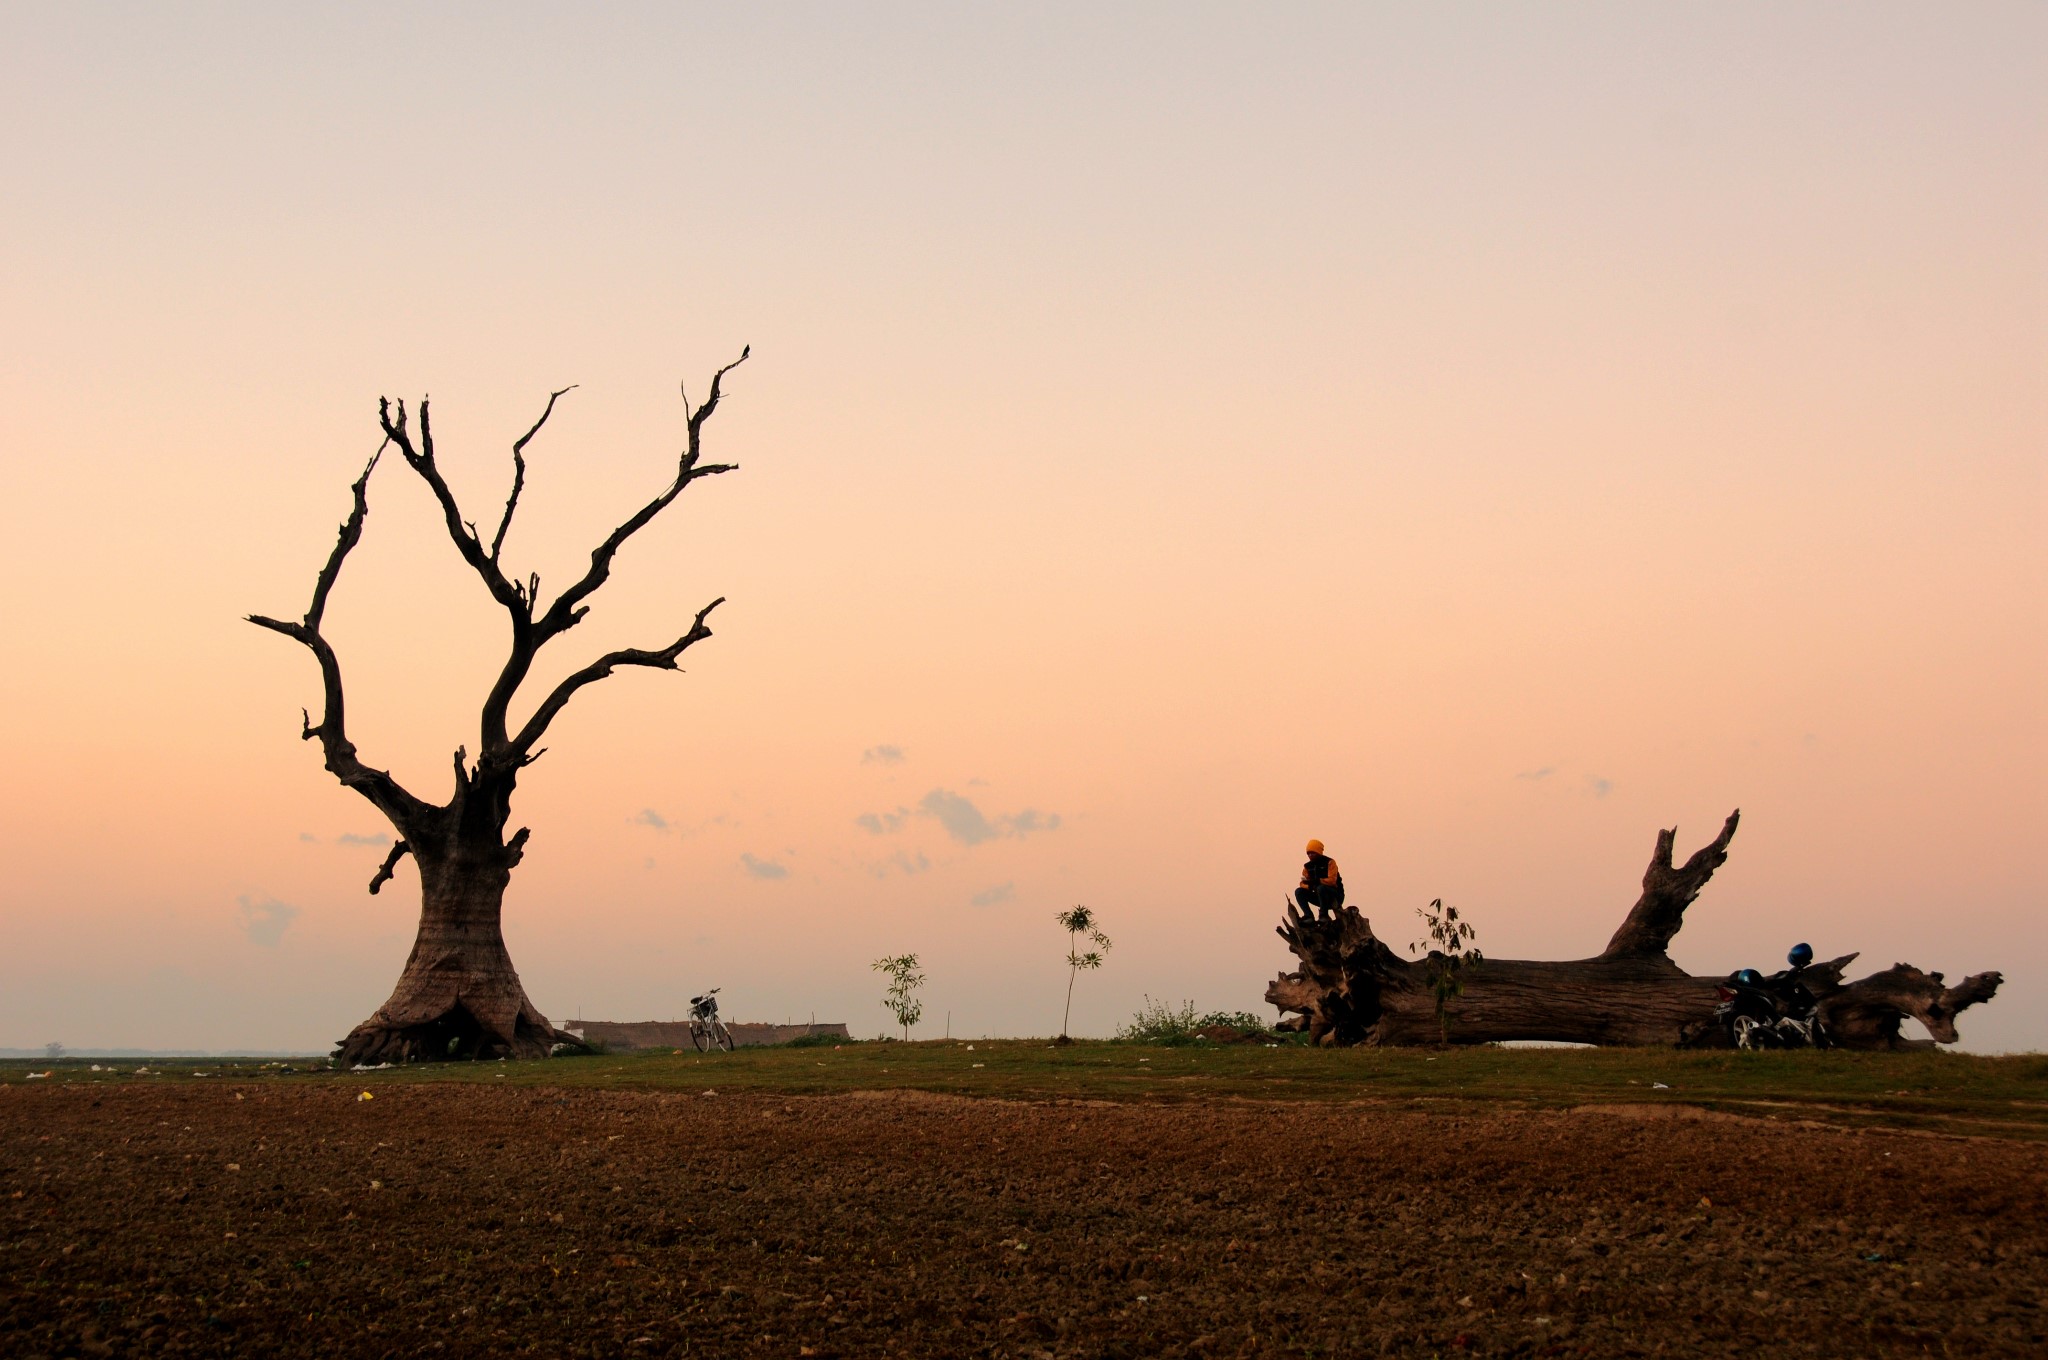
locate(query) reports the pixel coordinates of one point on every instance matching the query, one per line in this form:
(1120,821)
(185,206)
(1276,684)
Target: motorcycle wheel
(700,1038)
(725,1038)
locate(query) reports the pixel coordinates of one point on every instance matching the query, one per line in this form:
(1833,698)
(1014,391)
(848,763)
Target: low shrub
(1242,1021)
(1158,1022)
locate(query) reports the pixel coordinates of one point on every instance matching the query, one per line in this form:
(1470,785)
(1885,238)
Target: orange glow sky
(1477,437)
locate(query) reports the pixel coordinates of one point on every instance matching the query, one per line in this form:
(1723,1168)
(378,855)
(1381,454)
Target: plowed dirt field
(274,1219)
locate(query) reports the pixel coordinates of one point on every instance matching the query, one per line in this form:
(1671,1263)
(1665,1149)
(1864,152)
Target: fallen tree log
(1352,989)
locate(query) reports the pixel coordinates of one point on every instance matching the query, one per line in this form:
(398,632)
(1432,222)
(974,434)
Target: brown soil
(295,1219)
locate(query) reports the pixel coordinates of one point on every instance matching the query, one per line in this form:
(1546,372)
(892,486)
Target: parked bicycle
(707,1031)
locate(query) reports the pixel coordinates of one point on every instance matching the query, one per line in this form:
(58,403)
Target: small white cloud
(763,868)
(308,837)
(965,823)
(264,922)
(961,818)
(881,823)
(989,897)
(649,817)
(882,755)
(1029,820)
(1544,773)
(1600,787)
(378,839)
(909,865)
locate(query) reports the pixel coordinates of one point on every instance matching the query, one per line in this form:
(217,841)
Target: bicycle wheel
(698,1037)
(724,1037)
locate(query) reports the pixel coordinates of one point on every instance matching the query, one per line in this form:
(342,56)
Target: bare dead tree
(459,995)
(1352,989)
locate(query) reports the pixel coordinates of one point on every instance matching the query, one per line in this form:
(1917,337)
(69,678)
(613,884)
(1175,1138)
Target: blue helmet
(1801,955)
(1749,977)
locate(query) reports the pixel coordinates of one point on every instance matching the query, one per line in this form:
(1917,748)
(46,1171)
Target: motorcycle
(1758,1012)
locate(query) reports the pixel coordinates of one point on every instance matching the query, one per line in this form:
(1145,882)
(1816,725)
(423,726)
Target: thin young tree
(900,999)
(1445,964)
(1078,923)
(459,995)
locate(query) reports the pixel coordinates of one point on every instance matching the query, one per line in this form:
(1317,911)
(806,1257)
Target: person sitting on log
(1322,886)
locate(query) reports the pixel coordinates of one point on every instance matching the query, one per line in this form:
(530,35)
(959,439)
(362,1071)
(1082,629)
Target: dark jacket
(1320,872)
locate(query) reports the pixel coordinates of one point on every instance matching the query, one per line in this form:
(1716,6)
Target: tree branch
(567,610)
(398,850)
(519,472)
(1866,1014)
(665,659)
(420,459)
(378,786)
(1667,892)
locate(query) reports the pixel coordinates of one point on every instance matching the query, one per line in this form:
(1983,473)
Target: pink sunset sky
(1474,435)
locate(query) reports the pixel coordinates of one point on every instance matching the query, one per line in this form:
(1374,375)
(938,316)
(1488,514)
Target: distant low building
(624,1035)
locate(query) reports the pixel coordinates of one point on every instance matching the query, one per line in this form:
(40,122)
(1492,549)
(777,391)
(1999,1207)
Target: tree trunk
(459,996)
(1352,989)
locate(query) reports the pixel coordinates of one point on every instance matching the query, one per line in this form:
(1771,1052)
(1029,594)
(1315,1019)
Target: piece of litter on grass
(1465,1302)
(365,1096)
(36,1076)
(1706,1203)
(711,1093)
(981,1064)
(234,1166)
(1658,1086)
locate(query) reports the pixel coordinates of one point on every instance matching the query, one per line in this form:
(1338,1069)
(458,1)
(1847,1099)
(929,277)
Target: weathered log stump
(1352,989)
